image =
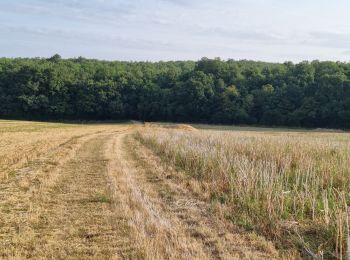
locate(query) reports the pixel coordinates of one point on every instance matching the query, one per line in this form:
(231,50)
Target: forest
(306,94)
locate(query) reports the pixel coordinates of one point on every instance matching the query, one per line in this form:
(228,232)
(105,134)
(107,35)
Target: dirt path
(112,199)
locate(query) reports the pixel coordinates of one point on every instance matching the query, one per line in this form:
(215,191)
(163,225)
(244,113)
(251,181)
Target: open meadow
(167,191)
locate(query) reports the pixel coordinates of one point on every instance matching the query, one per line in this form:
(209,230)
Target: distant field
(23,141)
(175,191)
(265,129)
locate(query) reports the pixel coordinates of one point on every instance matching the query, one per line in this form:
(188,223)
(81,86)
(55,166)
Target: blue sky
(269,30)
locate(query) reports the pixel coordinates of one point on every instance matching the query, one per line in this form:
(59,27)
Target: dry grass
(92,191)
(292,187)
(73,191)
(55,197)
(171,222)
(184,127)
(21,142)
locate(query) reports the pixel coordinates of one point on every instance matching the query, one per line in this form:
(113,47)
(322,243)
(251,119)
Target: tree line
(307,94)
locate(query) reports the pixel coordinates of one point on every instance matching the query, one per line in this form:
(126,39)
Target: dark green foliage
(315,94)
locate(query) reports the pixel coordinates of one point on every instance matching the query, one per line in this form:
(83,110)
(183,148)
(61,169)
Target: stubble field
(158,191)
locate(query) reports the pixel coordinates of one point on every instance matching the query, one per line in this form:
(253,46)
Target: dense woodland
(308,94)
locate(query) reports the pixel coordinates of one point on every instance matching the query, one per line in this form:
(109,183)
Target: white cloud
(271,30)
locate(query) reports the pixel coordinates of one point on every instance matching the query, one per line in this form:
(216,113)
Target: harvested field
(94,191)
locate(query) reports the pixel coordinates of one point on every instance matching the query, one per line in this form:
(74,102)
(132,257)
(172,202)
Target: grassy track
(57,203)
(94,192)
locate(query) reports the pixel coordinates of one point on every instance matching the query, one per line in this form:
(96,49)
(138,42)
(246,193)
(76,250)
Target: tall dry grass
(292,187)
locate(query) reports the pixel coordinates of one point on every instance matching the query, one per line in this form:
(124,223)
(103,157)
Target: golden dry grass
(290,186)
(21,142)
(184,127)
(189,227)
(72,191)
(55,194)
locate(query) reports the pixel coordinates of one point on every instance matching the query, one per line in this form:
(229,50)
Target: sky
(153,30)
